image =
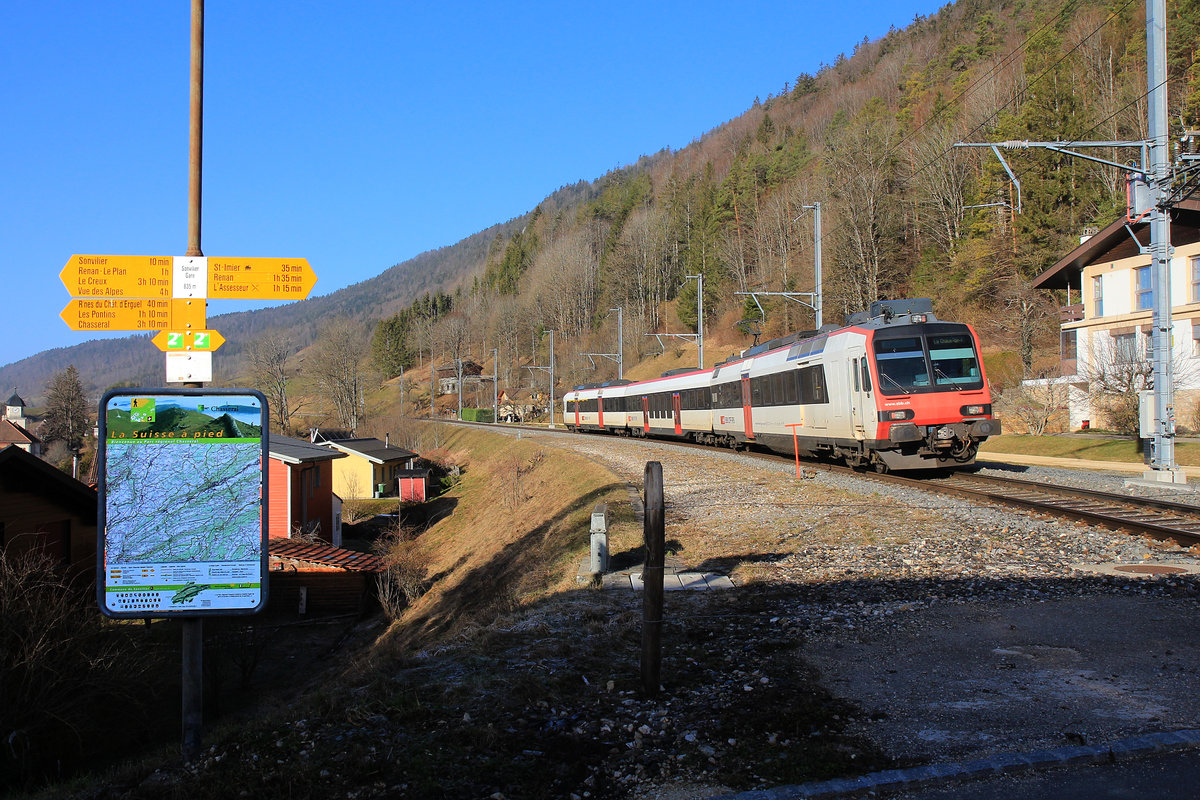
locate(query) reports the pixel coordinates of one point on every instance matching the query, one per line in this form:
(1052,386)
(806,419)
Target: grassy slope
(1084,447)
(517,529)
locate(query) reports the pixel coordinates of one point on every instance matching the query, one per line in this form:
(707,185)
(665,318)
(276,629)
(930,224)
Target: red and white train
(895,389)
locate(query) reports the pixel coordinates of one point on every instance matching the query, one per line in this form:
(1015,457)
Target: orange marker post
(795,443)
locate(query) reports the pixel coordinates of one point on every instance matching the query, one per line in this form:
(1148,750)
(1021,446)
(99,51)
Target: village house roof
(18,467)
(373,450)
(11,433)
(1114,242)
(298,451)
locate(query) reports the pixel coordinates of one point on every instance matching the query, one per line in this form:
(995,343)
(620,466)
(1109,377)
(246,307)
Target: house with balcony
(1106,324)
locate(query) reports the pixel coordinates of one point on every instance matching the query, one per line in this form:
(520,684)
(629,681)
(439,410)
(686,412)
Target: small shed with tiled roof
(314,578)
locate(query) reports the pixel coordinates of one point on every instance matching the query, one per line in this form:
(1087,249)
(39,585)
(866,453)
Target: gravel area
(955,630)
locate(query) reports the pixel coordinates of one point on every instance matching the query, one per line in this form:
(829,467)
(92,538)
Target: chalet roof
(298,451)
(11,433)
(30,474)
(372,450)
(325,555)
(1114,242)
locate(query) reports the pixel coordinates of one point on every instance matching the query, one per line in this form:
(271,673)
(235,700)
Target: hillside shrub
(69,680)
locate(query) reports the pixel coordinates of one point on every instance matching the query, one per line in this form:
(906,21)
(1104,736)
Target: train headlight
(976,411)
(896,416)
(919,318)
(945,432)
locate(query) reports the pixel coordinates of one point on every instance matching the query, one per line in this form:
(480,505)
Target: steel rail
(1160,519)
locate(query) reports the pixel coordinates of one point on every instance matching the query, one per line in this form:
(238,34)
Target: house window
(1125,348)
(1097,297)
(1145,292)
(1196,339)
(1196,279)
(1148,344)
(1070,345)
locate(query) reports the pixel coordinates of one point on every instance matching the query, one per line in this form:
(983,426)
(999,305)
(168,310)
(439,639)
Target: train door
(677,412)
(600,410)
(645,414)
(575,403)
(746,412)
(858,385)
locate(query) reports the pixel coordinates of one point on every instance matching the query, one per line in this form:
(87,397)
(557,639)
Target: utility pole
(818,305)
(1158,176)
(458,370)
(1154,173)
(549,369)
(620,342)
(618,356)
(699,313)
(495,380)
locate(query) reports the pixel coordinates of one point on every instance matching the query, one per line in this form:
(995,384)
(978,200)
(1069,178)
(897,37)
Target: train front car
(932,400)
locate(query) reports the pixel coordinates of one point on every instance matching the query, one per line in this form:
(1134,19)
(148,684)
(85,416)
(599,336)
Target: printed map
(183,502)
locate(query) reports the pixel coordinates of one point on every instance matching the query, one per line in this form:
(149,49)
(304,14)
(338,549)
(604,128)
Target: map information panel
(182,500)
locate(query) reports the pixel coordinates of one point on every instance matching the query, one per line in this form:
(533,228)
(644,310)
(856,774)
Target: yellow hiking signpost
(169,294)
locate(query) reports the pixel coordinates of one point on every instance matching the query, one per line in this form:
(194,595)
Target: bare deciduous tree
(336,363)
(268,356)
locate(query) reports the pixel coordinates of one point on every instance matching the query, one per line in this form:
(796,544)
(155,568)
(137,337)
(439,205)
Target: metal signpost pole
(551,379)
(193,627)
(495,380)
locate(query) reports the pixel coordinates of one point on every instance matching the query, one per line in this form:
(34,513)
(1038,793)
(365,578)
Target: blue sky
(354,134)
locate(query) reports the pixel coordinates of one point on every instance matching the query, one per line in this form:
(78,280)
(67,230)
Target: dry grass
(519,523)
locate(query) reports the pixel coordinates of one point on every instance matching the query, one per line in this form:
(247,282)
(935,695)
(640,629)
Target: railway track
(1160,519)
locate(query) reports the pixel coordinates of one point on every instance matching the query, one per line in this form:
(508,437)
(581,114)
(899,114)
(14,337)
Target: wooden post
(653,531)
(193,687)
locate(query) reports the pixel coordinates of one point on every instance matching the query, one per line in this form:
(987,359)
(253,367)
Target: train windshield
(927,362)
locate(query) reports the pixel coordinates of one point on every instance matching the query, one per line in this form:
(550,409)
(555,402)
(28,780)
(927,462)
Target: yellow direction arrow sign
(259,278)
(134,314)
(117,276)
(172,341)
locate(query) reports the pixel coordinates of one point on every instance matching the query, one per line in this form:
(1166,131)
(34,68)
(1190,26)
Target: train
(894,389)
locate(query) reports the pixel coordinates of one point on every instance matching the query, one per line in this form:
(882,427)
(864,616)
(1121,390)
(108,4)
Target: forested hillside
(869,137)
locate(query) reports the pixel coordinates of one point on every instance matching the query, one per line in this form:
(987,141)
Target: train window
(812,385)
(791,387)
(901,364)
(756,392)
(866,376)
(953,359)
(854,369)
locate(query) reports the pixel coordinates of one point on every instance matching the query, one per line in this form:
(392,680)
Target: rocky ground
(871,627)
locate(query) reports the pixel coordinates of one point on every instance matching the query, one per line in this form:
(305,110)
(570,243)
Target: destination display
(118,276)
(260,278)
(182,502)
(133,314)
